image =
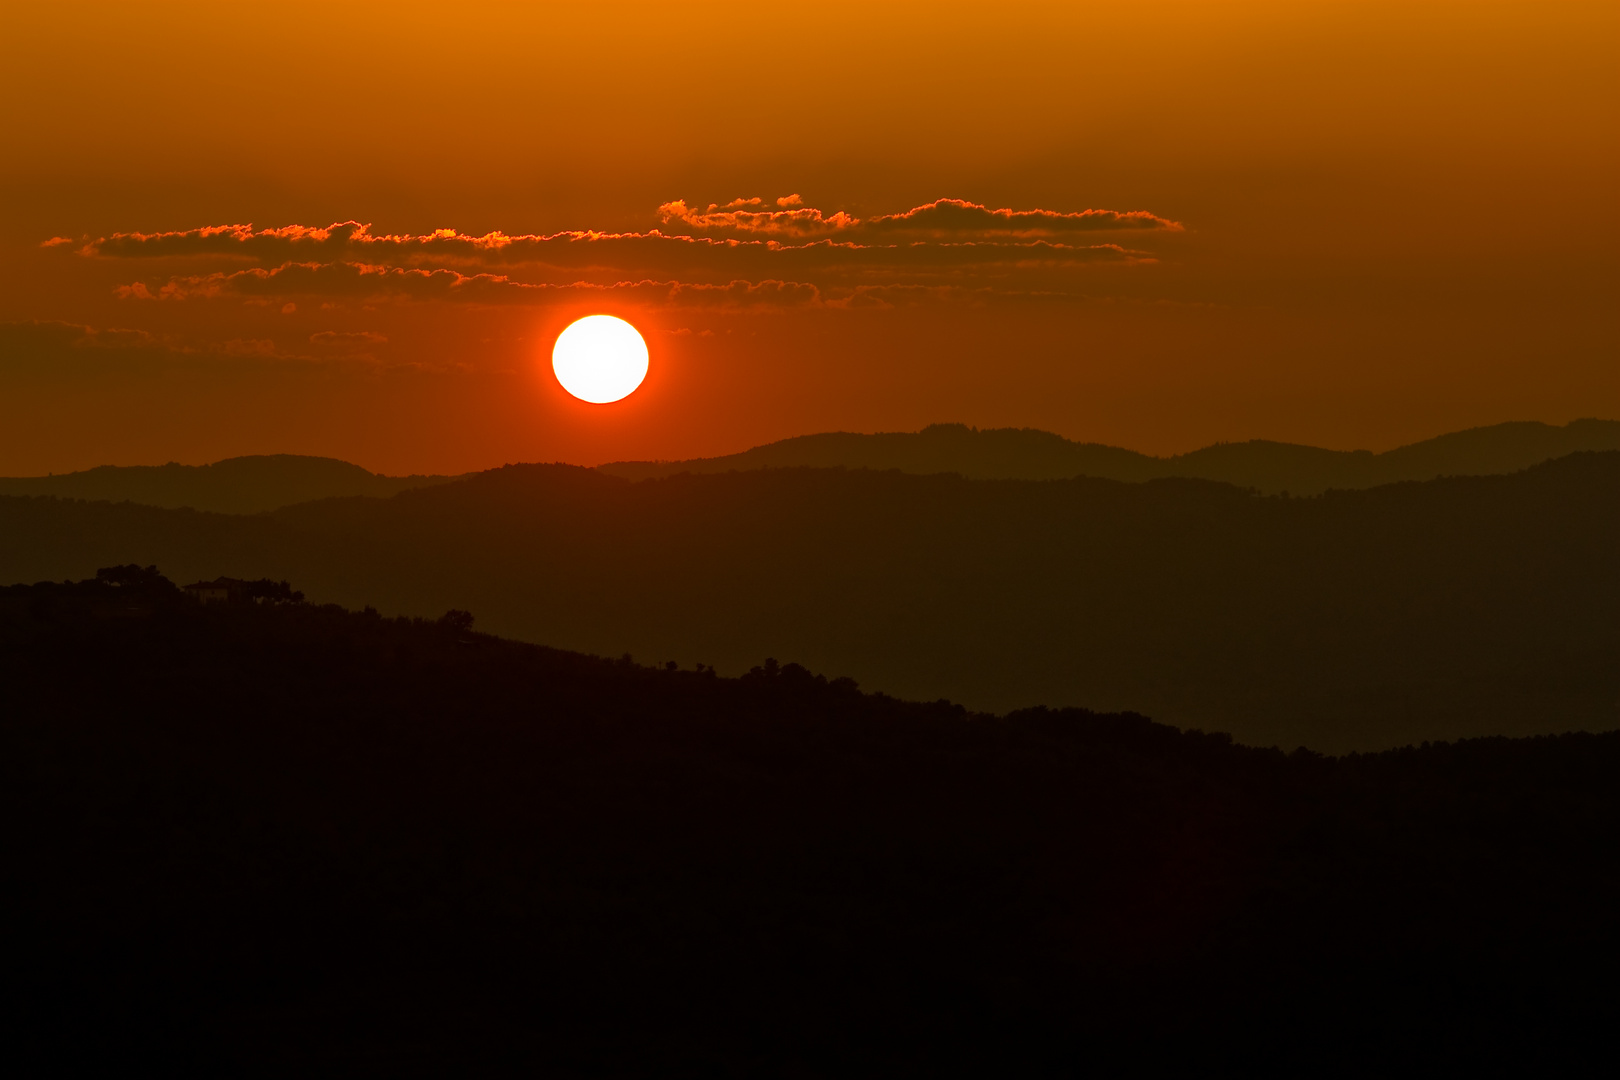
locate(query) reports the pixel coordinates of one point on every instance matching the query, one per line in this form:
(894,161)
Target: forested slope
(282,839)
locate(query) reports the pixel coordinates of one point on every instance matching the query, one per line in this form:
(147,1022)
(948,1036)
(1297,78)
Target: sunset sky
(355,230)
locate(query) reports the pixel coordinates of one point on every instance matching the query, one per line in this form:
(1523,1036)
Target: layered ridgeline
(247,485)
(240,485)
(1270,467)
(1356,619)
(241,839)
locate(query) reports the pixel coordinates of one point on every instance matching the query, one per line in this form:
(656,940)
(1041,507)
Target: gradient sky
(354,230)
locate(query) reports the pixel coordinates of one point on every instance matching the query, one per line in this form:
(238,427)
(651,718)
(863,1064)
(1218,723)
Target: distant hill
(1353,620)
(254,484)
(241,840)
(1270,467)
(240,485)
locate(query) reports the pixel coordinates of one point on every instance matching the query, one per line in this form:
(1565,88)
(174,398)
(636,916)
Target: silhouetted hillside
(241,485)
(1364,619)
(275,839)
(1270,467)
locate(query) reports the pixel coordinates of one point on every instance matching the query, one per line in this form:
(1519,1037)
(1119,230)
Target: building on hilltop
(225,590)
(219,591)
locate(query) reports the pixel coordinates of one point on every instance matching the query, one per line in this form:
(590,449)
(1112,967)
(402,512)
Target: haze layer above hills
(241,485)
(1360,619)
(1270,467)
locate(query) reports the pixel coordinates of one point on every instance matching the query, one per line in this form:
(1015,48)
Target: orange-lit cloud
(946,242)
(793,221)
(957,220)
(944,220)
(600,258)
(781,232)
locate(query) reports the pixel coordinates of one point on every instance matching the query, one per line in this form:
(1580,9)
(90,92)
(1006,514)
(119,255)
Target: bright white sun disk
(599,359)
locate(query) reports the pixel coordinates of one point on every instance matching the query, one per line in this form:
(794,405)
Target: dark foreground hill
(1356,620)
(1270,467)
(240,485)
(289,840)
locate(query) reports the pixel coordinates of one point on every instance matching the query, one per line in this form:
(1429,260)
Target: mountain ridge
(260,483)
(1267,466)
(249,484)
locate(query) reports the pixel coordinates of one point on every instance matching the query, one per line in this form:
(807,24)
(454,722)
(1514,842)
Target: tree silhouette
(134,577)
(456,619)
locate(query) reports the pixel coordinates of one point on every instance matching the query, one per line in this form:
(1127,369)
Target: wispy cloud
(792,221)
(21,335)
(955,220)
(348,337)
(383,283)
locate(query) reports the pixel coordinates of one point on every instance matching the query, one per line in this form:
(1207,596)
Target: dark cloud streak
(381,283)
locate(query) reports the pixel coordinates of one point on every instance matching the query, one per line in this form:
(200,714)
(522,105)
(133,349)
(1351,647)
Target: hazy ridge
(240,485)
(1270,467)
(254,484)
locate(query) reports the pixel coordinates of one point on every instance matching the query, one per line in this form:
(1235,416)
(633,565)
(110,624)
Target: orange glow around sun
(1225,221)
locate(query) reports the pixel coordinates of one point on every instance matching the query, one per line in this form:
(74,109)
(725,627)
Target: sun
(600,358)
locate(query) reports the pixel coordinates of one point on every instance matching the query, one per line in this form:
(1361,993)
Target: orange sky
(1348,224)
